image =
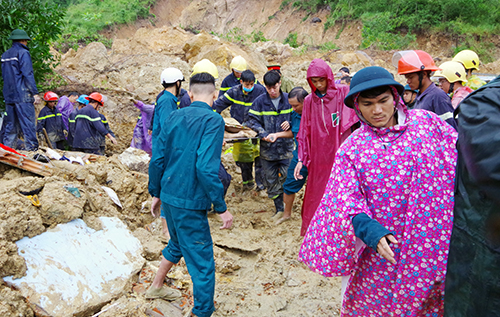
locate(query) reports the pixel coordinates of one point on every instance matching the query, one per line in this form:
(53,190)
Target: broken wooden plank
(25,163)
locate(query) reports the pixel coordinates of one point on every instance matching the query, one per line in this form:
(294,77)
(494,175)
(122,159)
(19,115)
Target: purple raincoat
(403,177)
(141,139)
(326,123)
(65,107)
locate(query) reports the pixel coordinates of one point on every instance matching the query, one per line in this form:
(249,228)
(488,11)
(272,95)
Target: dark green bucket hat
(18,34)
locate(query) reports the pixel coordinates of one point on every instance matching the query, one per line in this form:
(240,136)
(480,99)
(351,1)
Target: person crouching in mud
(385,219)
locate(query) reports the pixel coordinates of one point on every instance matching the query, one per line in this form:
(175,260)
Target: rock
(316,20)
(135,159)
(151,245)
(13,304)
(59,205)
(95,55)
(279,304)
(10,262)
(75,270)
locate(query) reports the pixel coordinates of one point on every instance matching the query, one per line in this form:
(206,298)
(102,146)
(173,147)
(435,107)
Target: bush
(291,39)
(43,22)
(379,32)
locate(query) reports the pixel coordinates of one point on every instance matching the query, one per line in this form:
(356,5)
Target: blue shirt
(436,100)
(52,121)
(165,105)
(184,168)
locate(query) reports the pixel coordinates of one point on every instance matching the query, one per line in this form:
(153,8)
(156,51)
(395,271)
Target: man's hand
(285,126)
(296,172)
(227,220)
(65,133)
(271,138)
(132,100)
(150,132)
(113,140)
(385,250)
(155,207)
(38,100)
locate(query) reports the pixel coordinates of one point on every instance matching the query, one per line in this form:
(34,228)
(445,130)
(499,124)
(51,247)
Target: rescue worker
(326,123)
(286,83)
(238,65)
(171,79)
(206,66)
(417,67)
(19,92)
(183,179)
(240,99)
(88,126)
(473,271)
(65,106)
(79,104)
(266,115)
(292,186)
(470,60)
(409,97)
(385,219)
(141,138)
(452,79)
(203,66)
(50,119)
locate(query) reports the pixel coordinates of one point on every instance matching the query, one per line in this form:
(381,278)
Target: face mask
(247,90)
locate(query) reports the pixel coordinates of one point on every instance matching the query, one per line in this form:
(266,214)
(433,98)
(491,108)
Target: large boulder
(75,270)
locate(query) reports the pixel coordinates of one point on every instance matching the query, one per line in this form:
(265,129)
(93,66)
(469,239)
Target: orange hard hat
(95,96)
(413,61)
(50,96)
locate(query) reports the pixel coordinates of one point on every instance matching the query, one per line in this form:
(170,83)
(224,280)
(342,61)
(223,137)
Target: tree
(43,23)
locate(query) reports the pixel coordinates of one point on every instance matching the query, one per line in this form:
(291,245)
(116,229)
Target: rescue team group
(386,205)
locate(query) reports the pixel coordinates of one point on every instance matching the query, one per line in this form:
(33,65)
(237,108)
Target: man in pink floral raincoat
(385,219)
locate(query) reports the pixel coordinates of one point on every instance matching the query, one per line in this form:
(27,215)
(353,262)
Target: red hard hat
(414,61)
(50,96)
(95,96)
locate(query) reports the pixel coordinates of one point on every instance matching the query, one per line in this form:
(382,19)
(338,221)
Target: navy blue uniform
(231,81)
(88,130)
(265,118)
(183,173)
(52,121)
(102,146)
(436,100)
(72,126)
(19,89)
(239,102)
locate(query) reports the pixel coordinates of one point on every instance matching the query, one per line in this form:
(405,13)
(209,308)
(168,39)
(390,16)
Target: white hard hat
(171,75)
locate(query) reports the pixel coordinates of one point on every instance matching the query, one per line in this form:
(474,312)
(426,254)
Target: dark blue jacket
(88,129)
(164,106)
(51,120)
(239,102)
(184,102)
(106,125)
(264,119)
(17,71)
(231,81)
(184,167)
(436,100)
(71,126)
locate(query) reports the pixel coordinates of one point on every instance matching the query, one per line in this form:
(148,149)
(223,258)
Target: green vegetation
(291,39)
(236,35)
(85,18)
(43,22)
(469,21)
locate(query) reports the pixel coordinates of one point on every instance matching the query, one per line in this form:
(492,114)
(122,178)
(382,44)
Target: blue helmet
(82,100)
(407,87)
(368,78)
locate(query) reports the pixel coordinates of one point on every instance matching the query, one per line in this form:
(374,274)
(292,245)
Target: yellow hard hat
(468,58)
(452,71)
(239,64)
(205,66)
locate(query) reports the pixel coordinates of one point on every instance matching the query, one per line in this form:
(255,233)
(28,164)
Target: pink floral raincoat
(402,176)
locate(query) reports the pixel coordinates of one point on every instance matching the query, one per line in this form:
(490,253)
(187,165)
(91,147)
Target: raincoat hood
(319,68)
